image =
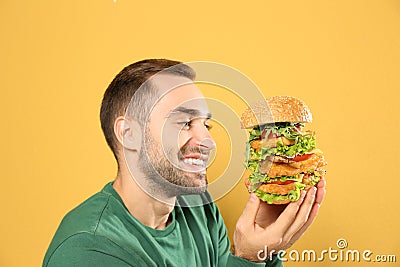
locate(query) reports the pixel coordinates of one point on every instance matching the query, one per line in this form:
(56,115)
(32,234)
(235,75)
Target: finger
(303,214)
(288,216)
(313,215)
(247,184)
(320,191)
(249,214)
(267,214)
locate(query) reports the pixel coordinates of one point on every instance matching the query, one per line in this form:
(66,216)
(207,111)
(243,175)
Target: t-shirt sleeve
(274,262)
(81,258)
(85,249)
(234,261)
(226,258)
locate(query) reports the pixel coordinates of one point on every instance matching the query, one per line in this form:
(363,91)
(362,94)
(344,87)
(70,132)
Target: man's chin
(198,184)
(188,183)
(182,190)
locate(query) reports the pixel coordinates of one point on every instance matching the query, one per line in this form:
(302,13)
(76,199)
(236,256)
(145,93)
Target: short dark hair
(125,85)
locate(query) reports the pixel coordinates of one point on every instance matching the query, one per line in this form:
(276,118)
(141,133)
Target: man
(157,211)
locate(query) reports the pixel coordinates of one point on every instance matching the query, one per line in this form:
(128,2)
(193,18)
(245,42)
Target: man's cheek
(183,139)
(169,136)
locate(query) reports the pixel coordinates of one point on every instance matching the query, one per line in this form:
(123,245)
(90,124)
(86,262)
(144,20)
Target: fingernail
(253,196)
(302,195)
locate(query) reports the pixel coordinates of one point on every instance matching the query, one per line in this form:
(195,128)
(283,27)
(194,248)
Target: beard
(164,178)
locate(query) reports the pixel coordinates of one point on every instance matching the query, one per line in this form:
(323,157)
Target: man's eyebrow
(190,111)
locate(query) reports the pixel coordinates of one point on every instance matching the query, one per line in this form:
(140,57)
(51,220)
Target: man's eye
(185,124)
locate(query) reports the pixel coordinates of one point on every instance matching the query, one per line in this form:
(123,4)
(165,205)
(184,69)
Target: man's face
(177,142)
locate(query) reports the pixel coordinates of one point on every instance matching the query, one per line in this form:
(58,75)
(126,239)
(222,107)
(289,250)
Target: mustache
(187,149)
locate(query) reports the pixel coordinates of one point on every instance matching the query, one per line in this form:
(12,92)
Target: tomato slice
(302,157)
(270,136)
(298,129)
(273,135)
(263,134)
(281,183)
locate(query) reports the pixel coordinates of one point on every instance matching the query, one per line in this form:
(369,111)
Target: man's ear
(128,133)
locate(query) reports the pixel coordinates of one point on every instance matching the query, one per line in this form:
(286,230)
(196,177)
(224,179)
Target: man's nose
(203,139)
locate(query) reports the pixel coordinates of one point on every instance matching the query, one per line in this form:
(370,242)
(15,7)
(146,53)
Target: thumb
(250,211)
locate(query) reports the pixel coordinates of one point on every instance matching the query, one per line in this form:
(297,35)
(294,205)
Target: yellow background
(57,57)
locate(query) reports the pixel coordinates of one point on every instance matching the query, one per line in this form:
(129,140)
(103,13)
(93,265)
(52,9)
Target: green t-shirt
(101,232)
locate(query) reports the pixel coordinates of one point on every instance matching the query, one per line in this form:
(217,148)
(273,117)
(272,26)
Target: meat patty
(280,159)
(277,188)
(282,169)
(271,142)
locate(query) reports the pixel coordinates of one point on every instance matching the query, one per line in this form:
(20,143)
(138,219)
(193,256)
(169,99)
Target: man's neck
(148,210)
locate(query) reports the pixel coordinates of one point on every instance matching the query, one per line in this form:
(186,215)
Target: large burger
(282,156)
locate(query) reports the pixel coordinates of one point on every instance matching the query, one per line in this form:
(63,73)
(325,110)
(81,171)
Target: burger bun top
(276,109)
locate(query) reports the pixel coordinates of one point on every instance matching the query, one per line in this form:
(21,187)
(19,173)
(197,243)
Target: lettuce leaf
(257,177)
(255,133)
(304,143)
(315,180)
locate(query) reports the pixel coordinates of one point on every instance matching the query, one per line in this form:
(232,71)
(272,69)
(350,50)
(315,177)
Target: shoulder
(86,249)
(85,217)
(79,227)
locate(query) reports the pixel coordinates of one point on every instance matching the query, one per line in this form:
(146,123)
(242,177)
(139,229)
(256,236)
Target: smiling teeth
(198,162)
